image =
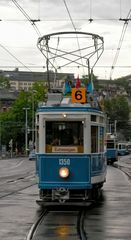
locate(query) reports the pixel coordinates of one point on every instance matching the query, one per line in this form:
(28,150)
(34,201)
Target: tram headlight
(64,172)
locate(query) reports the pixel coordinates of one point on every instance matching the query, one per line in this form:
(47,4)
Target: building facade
(24,80)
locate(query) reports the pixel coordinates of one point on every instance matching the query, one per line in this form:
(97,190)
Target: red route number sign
(78,95)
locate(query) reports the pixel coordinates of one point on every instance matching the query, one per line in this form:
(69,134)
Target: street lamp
(115,124)
(26,130)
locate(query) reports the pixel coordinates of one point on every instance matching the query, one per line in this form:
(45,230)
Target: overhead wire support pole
(33,118)
(26,129)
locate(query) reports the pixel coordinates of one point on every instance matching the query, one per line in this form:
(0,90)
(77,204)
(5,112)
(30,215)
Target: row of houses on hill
(23,80)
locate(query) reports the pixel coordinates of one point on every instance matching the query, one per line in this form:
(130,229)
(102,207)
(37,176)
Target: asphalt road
(18,209)
(17,201)
(109,220)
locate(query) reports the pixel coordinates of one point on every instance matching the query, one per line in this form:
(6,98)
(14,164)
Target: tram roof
(68,109)
(71,107)
(56,102)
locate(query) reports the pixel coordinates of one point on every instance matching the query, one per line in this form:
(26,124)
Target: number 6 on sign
(78,95)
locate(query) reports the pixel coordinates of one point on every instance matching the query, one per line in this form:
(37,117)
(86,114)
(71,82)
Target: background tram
(71,157)
(111,147)
(123,148)
(129,147)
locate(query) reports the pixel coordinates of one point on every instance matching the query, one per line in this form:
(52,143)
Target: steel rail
(80,225)
(35,225)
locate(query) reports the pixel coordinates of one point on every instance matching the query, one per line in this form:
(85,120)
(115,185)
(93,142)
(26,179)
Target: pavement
(124,163)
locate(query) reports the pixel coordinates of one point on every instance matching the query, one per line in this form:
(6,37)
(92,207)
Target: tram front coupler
(60,194)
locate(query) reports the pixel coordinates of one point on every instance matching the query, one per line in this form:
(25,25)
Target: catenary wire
(120,43)
(29,19)
(63,20)
(74,29)
(39,66)
(14,56)
(82,19)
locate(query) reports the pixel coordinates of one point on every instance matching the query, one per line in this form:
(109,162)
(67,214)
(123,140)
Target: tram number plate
(78,95)
(64,161)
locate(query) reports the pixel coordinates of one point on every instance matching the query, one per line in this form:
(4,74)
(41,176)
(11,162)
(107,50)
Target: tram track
(16,183)
(123,168)
(17,176)
(36,224)
(41,220)
(14,192)
(126,170)
(80,225)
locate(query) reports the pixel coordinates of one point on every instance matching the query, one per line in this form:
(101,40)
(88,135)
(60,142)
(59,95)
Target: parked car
(32,155)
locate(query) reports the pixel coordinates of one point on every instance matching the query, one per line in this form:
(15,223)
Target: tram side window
(37,139)
(94,139)
(101,139)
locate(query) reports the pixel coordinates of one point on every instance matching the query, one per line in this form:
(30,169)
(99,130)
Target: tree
(118,109)
(39,89)
(4,82)
(13,121)
(122,82)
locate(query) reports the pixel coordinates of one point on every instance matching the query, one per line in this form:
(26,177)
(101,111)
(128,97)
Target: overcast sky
(18,41)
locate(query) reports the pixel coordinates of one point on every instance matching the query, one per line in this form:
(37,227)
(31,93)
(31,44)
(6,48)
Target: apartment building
(23,80)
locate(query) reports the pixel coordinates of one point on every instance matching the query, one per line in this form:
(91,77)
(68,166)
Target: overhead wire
(75,31)
(69,14)
(41,66)
(14,56)
(90,70)
(120,43)
(32,21)
(72,21)
(62,20)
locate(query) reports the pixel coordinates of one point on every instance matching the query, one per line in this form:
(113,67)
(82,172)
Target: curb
(124,168)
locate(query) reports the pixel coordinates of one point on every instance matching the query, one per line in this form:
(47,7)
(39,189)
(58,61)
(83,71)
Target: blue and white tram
(112,151)
(71,156)
(122,148)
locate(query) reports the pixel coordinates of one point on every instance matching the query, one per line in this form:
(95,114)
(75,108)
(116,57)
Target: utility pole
(33,118)
(26,130)
(115,131)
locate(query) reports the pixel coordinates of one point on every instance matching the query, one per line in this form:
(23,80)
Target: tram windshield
(64,136)
(122,146)
(110,144)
